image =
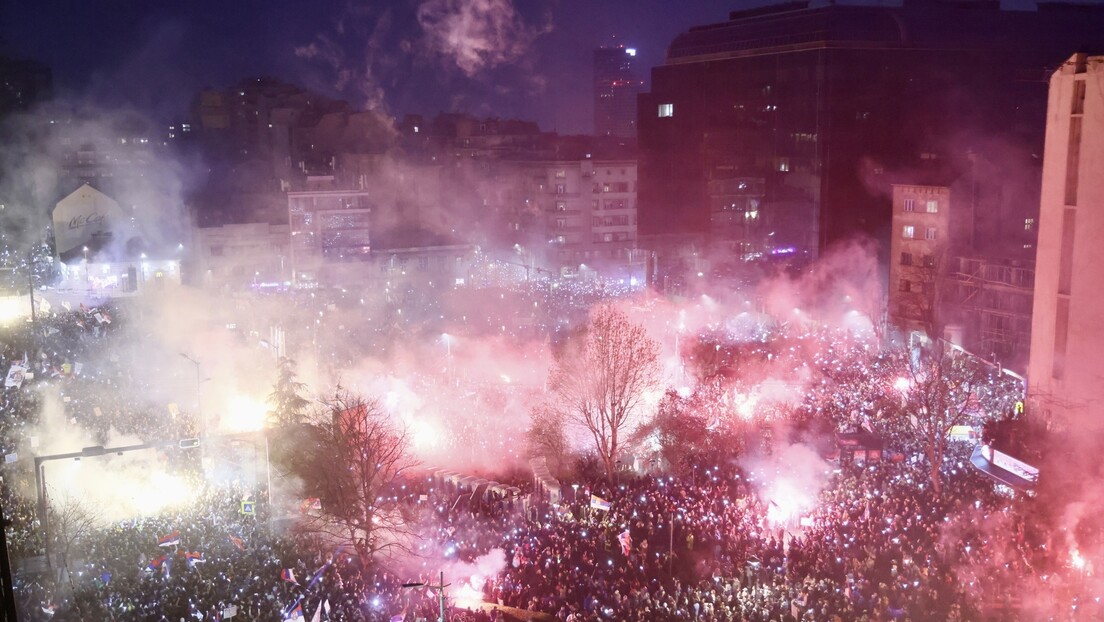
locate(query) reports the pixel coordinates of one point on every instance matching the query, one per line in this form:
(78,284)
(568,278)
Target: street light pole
(199,396)
(440,588)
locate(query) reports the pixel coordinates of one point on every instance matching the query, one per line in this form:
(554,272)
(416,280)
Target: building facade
(919,257)
(1067,336)
(242,256)
(327,224)
(585,215)
(616,85)
(828,103)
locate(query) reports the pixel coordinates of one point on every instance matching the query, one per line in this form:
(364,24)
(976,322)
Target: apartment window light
(666,110)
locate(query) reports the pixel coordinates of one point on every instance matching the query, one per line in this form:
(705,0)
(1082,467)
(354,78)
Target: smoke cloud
(477,35)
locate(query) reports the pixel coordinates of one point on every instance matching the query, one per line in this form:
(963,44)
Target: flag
(287,575)
(156,563)
(295,614)
(317,614)
(172,539)
(318,575)
(195,558)
(598,503)
(313,503)
(238,542)
(626,542)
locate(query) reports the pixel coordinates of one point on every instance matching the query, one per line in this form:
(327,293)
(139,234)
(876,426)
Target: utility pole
(440,592)
(30,288)
(671,545)
(199,398)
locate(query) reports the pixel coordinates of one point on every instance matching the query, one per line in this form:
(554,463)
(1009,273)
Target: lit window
(783,165)
(910,205)
(932,206)
(1029,224)
(666,110)
(929,233)
(908,231)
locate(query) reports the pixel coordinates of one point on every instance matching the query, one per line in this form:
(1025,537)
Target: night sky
(526,59)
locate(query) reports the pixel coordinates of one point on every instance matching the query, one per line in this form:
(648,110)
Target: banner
(16,374)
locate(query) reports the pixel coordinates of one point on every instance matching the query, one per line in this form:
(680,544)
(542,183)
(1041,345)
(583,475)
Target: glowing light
(424,434)
(13,308)
(786,502)
(244,414)
(1077,560)
(631,51)
(902,384)
(469,594)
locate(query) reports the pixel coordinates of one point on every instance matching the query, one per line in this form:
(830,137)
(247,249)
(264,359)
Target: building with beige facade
(1066,369)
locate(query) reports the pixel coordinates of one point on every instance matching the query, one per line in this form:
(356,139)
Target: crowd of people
(877,541)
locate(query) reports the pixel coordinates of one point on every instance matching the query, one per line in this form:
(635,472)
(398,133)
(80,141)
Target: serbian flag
(295,614)
(598,503)
(287,575)
(195,558)
(313,503)
(172,539)
(626,542)
(238,542)
(156,563)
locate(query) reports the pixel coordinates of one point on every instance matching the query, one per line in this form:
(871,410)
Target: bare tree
(71,522)
(353,460)
(943,394)
(922,303)
(546,438)
(601,377)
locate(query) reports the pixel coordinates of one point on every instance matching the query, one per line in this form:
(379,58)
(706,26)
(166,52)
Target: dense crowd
(878,542)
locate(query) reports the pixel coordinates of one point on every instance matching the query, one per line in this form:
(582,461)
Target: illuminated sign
(1008,463)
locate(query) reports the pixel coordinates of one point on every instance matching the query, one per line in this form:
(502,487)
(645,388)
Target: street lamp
(199,398)
(440,592)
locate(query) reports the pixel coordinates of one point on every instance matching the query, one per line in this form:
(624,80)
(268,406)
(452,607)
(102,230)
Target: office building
(827,104)
(616,86)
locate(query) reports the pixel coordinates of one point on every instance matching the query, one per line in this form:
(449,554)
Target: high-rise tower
(616,86)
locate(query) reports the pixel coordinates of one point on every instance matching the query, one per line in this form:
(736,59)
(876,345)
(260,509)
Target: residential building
(919,257)
(327,224)
(239,256)
(616,86)
(989,302)
(1067,335)
(585,213)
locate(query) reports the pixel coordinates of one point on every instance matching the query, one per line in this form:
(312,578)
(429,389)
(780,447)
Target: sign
(962,433)
(16,374)
(1017,467)
(249,508)
(86,220)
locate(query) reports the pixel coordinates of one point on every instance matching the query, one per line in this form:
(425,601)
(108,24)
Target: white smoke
(477,34)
